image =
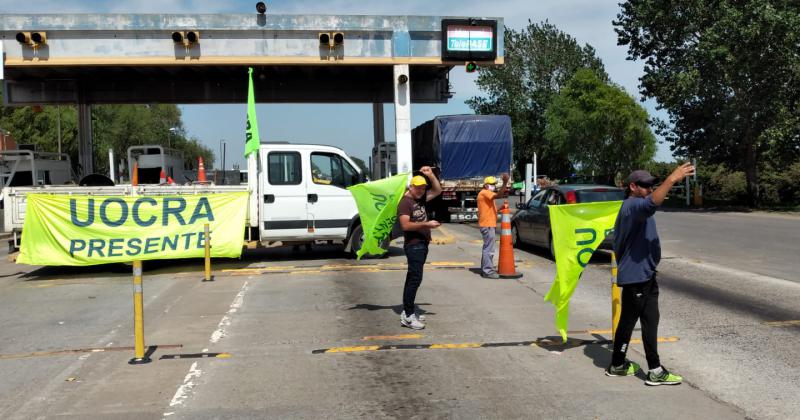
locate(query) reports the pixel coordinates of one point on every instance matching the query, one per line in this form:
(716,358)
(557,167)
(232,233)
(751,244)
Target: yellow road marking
(223,356)
(456,346)
(392,337)
(351,349)
(589,332)
(659,339)
(782,323)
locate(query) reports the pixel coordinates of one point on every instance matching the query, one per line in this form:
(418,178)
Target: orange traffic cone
(170,181)
(162,179)
(505,266)
(135,174)
(201,170)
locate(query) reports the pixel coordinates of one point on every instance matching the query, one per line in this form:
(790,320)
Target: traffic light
(471,67)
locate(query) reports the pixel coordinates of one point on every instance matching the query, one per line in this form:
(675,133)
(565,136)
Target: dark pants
(416,254)
(639,302)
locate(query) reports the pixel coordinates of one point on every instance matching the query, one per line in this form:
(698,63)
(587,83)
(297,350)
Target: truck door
(330,205)
(283,199)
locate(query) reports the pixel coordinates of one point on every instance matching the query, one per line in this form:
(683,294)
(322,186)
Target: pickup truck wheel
(356,240)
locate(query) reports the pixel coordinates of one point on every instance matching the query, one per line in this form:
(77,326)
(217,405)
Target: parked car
(531,223)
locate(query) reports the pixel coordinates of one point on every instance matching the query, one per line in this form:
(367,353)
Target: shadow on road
(395,308)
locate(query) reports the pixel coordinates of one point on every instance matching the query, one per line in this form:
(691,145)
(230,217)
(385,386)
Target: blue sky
(350,126)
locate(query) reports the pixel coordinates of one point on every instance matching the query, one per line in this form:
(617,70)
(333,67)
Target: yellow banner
(89,230)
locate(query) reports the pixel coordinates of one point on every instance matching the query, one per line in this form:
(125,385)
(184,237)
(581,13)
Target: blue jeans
(487,256)
(416,254)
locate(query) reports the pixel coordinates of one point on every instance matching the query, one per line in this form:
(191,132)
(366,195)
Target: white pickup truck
(298,196)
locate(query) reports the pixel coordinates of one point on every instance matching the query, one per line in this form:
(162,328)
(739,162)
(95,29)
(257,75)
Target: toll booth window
(284,168)
(330,169)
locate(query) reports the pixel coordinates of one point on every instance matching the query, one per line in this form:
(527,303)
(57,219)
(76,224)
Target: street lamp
(173,131)
(222,144)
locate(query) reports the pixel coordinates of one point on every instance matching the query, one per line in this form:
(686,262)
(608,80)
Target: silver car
(531,223)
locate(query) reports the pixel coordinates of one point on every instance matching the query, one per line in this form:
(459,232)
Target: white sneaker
(411,321)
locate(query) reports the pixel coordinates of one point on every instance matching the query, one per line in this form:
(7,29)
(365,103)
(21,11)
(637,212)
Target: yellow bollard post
(616,297)
(207,241)
(139,356)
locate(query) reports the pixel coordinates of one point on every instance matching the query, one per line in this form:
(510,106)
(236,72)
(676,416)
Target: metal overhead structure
(88,59)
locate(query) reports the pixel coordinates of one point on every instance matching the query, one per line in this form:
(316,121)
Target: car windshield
(599,194)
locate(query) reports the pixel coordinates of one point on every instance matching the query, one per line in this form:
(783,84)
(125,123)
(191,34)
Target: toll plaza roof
(133,58)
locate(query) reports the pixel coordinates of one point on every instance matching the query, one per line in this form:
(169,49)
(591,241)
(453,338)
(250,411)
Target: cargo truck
(463,150)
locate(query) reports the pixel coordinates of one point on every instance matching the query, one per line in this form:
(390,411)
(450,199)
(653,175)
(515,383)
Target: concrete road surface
(316,335)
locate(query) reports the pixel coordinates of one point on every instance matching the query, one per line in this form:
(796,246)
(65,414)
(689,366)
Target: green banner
(377,207)
(89,230)
(578,229)
(252,141)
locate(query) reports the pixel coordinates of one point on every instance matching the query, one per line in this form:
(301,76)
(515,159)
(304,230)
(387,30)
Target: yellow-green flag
(252,140)
(377,207)
(578,229)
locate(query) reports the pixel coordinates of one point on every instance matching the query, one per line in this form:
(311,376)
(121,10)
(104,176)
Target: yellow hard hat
(489,180)
(418,180)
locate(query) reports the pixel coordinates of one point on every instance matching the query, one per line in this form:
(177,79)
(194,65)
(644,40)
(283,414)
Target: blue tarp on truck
(464,146)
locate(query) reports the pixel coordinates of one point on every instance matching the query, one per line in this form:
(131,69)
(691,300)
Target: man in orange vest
(487,221)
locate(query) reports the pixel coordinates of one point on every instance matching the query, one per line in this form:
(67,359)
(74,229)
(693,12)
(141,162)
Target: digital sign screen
(469,39)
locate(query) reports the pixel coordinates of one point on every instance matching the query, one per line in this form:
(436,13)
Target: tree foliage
(539,60)
(115,127)
(728,74)
(599,127)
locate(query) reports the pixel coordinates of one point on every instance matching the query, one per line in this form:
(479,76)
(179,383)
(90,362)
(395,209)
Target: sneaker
(627,369)
(411,321)
(665,378)
(490,276)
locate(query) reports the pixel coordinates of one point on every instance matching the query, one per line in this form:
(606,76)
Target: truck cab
(303,196)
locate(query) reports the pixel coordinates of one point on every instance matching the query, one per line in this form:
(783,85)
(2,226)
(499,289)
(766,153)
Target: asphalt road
(270,317)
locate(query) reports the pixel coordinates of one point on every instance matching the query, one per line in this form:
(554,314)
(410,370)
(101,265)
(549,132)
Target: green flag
(377,207)
(251,138)
(578,229)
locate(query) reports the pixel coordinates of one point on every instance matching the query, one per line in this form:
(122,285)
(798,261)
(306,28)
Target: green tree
(539,60)
(726,71)
(361,165)
(599,127)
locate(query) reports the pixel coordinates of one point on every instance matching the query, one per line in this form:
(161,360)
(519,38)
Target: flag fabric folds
(578,229)
(377,207)
(252,140)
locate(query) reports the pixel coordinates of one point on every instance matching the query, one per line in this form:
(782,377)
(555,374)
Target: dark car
(531,223)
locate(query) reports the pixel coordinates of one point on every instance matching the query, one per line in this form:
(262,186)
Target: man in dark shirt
(417,235)
(638,251)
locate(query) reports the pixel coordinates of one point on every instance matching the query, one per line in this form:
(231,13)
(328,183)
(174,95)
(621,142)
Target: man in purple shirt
(638,251)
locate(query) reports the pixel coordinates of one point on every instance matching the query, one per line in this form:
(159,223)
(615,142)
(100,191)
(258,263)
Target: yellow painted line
(456,346)
(223,356)
(392,337)
(451,263)
(351,349)
(659,339)
(447,239)
(782,323)
(589,332)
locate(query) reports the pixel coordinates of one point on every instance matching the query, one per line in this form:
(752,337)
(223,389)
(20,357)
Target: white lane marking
(189,382)
(741,273)
(226,320)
